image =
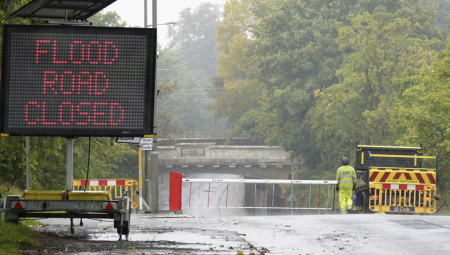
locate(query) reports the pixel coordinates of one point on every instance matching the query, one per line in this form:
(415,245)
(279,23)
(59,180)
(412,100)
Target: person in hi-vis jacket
(346,178)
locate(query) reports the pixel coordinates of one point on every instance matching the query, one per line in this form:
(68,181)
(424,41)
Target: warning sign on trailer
(77,81)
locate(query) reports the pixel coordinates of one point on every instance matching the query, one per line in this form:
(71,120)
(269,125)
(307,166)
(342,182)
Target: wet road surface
(301,234)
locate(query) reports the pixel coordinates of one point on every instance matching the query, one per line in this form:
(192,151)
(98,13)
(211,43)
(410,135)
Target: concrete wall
(271,162)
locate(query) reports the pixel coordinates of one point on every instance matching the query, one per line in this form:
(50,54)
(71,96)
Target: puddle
(179,236)
(181,240)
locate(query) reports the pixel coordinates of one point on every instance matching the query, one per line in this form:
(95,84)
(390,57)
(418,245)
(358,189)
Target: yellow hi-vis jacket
(346,177)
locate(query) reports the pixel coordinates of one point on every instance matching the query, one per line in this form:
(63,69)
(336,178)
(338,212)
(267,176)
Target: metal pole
(69,166)
(154,156)
(27,145)
(273,193)
(155,176)
(145,13)
(147,189)
(140,178)
(141,195)
(334,197)
(309,205)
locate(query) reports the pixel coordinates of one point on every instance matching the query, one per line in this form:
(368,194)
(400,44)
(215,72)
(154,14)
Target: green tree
(240,93)
(7,7)
(191,61)
(294,54)
(189,103)
(422,113)
(108,19)
(194,37)
(104,158)
(442,9)
(384,52)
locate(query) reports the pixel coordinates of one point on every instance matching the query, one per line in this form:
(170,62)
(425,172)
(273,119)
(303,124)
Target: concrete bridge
(213,156)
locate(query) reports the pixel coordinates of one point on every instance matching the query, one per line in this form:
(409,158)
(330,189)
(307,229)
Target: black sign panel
(77,81)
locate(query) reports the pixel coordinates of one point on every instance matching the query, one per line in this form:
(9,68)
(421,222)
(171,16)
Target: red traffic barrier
(175,191)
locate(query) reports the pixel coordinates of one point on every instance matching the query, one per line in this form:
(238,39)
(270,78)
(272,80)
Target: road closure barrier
(251,193)
(115,187)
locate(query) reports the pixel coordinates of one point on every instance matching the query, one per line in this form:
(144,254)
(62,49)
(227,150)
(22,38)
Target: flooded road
(301,234)
(207,226)
(150,234)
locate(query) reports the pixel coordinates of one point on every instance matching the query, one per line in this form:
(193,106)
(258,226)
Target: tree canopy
(317,76)
(107,19)
(190,60)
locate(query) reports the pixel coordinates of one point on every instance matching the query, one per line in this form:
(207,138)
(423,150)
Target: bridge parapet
(259,161)
(211,154)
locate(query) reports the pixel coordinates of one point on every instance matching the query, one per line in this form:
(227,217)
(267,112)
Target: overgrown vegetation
(12,236)
(314,76)
(317,77)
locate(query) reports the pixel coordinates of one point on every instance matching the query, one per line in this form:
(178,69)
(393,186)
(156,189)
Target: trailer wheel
(126,226)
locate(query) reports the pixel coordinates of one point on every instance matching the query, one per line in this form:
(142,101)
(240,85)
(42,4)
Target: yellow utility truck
(391,179)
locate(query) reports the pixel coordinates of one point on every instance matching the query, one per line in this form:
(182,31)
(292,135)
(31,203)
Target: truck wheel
(365,204)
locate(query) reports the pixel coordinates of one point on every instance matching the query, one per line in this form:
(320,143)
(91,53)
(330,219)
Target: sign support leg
(27,145)
(154,186)
(69,166)
(140,179)
(154,155)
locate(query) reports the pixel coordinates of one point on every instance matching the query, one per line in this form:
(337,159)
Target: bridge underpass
(212,158)
(205,156)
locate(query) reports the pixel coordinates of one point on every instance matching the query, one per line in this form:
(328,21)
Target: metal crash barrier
(251,193)
(115,187)
(405,198)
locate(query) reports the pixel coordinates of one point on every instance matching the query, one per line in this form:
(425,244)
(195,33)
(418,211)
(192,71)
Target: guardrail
(252,193)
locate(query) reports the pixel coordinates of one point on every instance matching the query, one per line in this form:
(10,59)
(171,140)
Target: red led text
(75,98)
(80,114)
(92,53)
(69,83)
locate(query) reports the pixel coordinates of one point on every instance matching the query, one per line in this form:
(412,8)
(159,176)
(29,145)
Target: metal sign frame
(61,9)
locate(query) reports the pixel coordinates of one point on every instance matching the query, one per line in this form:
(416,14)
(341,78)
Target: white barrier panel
(258,193)
(262,181)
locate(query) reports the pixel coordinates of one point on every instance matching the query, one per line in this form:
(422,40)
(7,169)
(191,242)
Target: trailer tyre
(126,226)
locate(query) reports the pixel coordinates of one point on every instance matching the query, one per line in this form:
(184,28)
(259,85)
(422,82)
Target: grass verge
(13,235)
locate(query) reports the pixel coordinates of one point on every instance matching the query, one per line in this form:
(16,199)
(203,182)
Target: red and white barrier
(177,180)
(262,181)
(403,186)
(104,183)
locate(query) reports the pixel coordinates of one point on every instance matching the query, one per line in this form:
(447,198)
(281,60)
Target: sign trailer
(76,81)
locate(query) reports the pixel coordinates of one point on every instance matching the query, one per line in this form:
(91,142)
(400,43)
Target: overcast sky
(132,11)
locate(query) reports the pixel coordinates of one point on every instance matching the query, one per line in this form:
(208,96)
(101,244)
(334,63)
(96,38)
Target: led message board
(77,81)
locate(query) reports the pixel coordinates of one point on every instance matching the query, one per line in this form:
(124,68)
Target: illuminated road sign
(77,81)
